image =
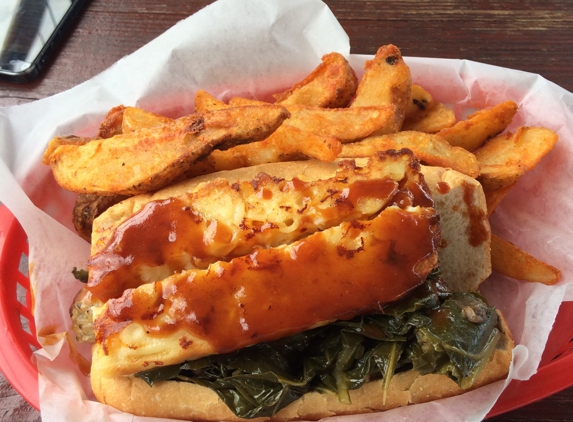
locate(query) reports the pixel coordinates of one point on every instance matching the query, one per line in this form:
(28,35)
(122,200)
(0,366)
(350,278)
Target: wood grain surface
(529,35)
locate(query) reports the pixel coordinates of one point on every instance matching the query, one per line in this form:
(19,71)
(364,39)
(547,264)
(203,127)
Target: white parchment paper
(256,48)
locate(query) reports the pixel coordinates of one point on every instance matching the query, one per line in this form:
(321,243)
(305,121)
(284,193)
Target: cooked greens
(432,331)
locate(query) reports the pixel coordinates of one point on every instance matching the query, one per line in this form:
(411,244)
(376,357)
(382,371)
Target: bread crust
(186,401)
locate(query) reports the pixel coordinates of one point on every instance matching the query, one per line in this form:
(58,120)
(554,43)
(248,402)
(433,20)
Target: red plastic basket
(17,328)
(18,341)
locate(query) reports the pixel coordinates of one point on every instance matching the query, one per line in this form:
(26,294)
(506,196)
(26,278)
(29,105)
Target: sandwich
(294,290)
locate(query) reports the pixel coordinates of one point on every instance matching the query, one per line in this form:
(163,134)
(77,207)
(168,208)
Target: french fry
(136,118)
(480,126)
(493,198)
(510,260)
(504,159)
(432,120)
(420,101)
(241,101)
(331,85)
(386,81)
(345,124)
(112,123)
(429,149)
(287,143)
(149,159)
(60,141)
(206,102)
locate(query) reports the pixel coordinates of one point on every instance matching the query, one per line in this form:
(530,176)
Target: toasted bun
(465,254)
(178,400)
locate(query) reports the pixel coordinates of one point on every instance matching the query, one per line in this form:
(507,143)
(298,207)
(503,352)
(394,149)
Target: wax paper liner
(256,48)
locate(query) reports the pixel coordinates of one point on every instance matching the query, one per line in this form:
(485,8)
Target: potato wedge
(242,101)
(386,81)
(149,159)
(112,122)
(420,101)
(504,159)
(510,260)
(331,85)
(136,118)
(206,102)
(59,141)
(480,126)
(345,124)
(432,120)
(287,143)
(429,149)
(493,198)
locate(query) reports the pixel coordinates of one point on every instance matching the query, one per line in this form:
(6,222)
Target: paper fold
(256,48)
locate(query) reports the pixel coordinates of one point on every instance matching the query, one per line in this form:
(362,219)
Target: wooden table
(534,36)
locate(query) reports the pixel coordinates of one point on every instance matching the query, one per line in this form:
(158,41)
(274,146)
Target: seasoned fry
(331,85)
(206,102)
(345,124)
(431,120)
(386,81)
(480,126)
(420,101)
(504,159)
(509,260)
(112,123)
(59,141)
(429,149)
(136,118)
(149,159)
(241,101)
(287,143)
(493,198)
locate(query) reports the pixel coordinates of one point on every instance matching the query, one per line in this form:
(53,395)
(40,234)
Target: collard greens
(432,331)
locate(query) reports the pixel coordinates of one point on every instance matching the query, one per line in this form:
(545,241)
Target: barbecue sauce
(169,236)
(272,293)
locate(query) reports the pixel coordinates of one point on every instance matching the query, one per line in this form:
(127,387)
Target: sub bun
(286,248)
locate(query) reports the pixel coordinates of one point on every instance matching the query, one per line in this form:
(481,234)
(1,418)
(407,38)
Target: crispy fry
(480,126)
(59,141)
(149,159)
(386,81)
(420,101)
(504,159)
(345,124)
(206,102)
(432,120)
(112,122)
(331,85)
(509,260)
(241,101)
(287,143)
(493,198)
(136,118)
(429,149)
